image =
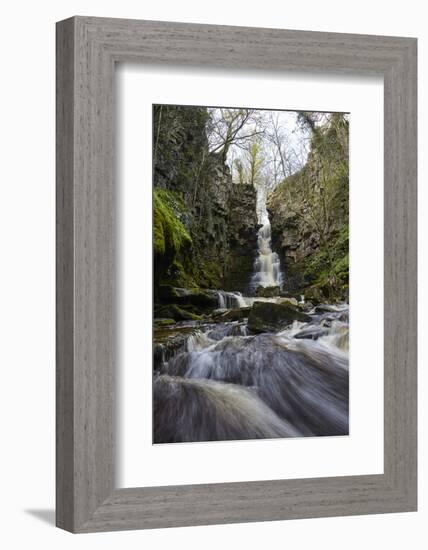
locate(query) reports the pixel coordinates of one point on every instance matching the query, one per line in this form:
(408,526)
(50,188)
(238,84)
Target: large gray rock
(268,317)
(268,291)
(188,296)
(291,301)
(225,315)
(173,311)
(311,333)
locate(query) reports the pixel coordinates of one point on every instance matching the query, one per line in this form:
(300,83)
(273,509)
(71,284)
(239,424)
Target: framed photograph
(236,274)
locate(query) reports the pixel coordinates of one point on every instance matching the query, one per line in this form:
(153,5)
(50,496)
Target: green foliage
(328,267)
(169,234)
(180,275)
(254,161)
(210,274)
(318,194)
(176,262)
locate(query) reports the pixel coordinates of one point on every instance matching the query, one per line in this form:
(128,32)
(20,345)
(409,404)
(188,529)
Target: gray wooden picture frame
(87,50)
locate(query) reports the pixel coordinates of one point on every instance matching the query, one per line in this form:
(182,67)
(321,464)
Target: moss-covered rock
(291,301)
(168,341)
(315,294)
(268,317)
(268,291)
(162,322)
(173,311)
(227,315)
(202,298)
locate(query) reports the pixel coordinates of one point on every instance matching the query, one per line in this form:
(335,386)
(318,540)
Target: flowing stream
(222,383)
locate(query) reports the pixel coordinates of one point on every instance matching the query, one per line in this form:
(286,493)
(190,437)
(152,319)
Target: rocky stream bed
(257,368)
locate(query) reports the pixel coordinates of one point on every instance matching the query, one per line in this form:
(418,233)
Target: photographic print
(250,273)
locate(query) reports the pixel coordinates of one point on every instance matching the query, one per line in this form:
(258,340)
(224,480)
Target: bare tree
(288,156)
(232,126)
(240,171)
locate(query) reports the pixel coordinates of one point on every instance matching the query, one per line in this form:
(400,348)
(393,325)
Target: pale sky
(296,139)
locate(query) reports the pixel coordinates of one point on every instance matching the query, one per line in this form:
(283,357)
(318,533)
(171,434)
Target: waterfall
(267,267)
(230,300)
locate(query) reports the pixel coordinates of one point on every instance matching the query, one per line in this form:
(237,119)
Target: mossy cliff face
(205,226)
(309,216)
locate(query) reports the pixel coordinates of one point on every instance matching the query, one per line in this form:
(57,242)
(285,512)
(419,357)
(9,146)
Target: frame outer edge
(94,276)
(86,498)
(400,308)
(65,57)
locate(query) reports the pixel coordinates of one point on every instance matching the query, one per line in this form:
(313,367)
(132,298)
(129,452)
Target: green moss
(210,274)
(173,311)
(341,268)
(169,234)
(179,276)
(327,270)
(164,322)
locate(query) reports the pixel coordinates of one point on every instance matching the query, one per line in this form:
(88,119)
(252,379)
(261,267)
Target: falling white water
(267,267)
(227,300)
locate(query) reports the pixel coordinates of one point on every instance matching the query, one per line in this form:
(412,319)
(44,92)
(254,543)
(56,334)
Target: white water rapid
(267,267)
(220,382)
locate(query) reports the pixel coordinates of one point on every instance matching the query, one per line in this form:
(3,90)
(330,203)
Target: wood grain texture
(87,49)
(64,276)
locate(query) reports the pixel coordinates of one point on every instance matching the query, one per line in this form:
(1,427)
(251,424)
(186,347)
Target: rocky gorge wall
(205,226)
(309,215)
(242,238)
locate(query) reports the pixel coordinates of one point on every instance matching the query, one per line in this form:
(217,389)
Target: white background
(362,451)
(27,271)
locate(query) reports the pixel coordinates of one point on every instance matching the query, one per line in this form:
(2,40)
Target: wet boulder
(268,291)
(175,312)
(344,317)
(325,308)
(306,306)
(268,317)
(314,294)
(312,332)
(202,298)
(168,341)
(236,314)
(163,322)
(291,301)
(218,313)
